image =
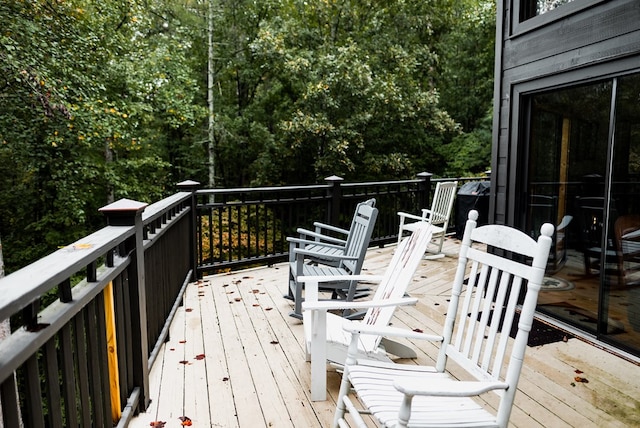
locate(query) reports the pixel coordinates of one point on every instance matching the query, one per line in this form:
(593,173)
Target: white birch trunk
(5,328)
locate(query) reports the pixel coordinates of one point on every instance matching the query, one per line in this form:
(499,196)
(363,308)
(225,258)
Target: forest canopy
(101,100)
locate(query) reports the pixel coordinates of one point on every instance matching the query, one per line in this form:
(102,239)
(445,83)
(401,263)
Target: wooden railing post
(192,186)
(424,190)
(126,212)
(335,197)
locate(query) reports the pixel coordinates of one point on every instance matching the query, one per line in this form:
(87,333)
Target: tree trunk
(5,326)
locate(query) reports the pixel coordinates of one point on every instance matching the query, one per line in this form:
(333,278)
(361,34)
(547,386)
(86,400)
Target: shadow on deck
(236,359)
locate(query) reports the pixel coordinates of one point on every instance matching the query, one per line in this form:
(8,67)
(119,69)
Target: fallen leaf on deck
(185,421)
(418,330)
(237,299)
(157,424)
(82,246)
(185,362)
(581,379)
(172,349)
(225,285)
(183,341)
(225,379)
(274,342)
(578,371)
(254,291)
(200,357)
(267,309)
(256,304)
(188,310)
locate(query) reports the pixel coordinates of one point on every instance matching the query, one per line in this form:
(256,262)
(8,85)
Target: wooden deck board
(254,371)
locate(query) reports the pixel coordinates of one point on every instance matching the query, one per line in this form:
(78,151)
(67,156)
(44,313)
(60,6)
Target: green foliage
(101,100)
(472,151)
(358,90)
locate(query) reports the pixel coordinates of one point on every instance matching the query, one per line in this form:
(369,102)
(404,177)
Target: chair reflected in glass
(627,237)
(544,209)
(591,223)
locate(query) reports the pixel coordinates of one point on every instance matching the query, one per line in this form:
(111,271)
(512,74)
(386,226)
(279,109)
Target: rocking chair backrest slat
(361,232)
(396,279)
(487,300)
(443,199)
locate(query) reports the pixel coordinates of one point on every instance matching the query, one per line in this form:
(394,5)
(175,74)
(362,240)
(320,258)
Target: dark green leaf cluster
(101,100)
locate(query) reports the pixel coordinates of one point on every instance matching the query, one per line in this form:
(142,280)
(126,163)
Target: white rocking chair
(438,216)
(400,395)
(325,339)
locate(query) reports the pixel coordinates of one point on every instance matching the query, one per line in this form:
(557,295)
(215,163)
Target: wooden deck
(236,359)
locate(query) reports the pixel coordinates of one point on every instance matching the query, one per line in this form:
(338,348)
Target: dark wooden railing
(88,320)
(83,359)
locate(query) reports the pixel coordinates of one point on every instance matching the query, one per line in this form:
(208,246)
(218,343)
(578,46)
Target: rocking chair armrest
(326,305)
(433,217)
(319,237)
(336,257)
(304,242)
(332,228)
(332,278)
(447,387)
(410,216)
(386,331)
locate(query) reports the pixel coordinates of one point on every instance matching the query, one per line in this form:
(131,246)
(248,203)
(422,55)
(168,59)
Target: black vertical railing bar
(53,397)
(334,198)
(69,378)
(82,368)
(34,413)
(95,390)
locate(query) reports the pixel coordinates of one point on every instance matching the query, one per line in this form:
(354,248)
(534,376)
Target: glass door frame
(520,131)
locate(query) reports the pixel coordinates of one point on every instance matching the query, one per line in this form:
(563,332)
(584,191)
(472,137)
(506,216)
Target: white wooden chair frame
(419,396)
(443,197)
(324,338)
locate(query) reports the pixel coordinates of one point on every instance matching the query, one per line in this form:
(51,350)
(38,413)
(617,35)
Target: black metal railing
(238,228)
(89,319)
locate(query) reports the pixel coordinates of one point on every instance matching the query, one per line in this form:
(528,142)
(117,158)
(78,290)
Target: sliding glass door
(583,175)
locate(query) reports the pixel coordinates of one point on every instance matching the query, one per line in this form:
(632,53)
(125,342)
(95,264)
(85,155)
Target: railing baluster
(10,410)
(54,401)
(68,376)
(34,410)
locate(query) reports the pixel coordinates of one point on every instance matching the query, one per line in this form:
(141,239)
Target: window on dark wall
(528,15)
(531,8)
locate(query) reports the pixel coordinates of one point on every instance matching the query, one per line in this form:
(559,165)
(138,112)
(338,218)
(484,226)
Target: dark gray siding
(595,42)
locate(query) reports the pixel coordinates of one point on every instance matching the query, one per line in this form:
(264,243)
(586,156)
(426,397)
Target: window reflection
(588,185)
(531,8)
